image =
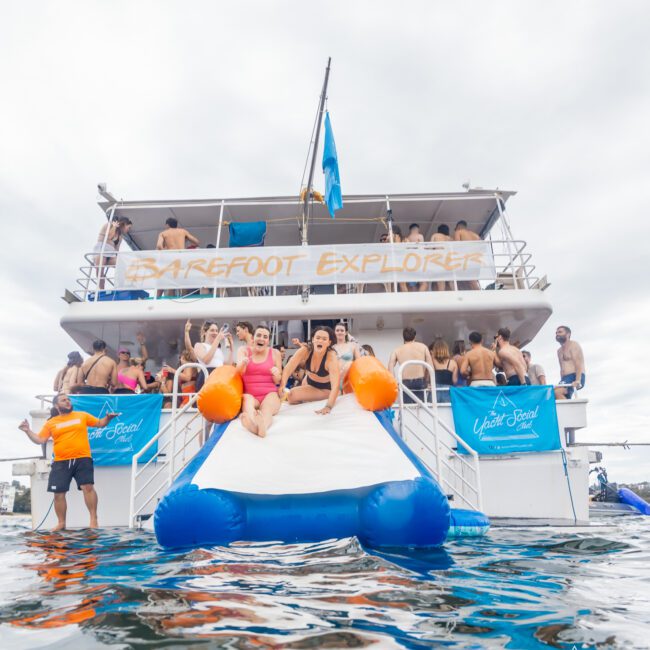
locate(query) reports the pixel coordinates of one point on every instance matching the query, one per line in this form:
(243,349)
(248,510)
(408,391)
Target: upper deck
(340,271)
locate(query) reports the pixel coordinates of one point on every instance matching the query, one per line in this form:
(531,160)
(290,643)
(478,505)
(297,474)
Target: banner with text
(138,422)
(298,265)
(506,419)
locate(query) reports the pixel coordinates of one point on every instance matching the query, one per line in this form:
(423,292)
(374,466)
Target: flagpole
(306,209)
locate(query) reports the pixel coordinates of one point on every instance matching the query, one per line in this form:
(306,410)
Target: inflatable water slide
(313,477)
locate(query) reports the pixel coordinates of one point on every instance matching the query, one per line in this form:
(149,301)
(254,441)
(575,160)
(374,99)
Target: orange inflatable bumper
(220,398)
(374,387)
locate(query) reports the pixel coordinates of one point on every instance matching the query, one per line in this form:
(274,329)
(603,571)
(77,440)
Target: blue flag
(333,196)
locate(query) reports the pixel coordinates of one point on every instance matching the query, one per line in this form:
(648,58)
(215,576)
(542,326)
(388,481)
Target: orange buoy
(374,387)
(220,398)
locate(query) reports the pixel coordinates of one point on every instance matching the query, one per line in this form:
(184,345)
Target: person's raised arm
(242,361)
(204,357)
(102,422)
(230,345)
(188,341)
(299,356)
(34,437)
(144,353)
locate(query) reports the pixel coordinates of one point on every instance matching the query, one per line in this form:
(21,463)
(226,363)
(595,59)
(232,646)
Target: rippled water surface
(516,588)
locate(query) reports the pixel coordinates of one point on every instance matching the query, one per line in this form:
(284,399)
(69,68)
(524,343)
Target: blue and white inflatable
(313,477)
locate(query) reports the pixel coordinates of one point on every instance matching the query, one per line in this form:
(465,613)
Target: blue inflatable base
(626,495)
(467,523)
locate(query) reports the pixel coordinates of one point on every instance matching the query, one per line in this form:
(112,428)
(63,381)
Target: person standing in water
(322,377)
(72,458)
(261,370)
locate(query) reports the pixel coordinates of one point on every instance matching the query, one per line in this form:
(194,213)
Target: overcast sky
(166,100)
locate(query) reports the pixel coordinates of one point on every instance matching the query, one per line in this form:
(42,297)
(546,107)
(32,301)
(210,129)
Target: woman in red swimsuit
(260,369)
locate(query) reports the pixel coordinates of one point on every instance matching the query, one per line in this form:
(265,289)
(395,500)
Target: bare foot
(261,426)
(249,423)
(93,524)
(58,527)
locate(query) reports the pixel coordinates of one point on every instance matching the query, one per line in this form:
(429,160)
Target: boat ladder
(437,445)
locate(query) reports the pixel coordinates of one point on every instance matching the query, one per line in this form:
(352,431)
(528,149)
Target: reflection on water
(516,588)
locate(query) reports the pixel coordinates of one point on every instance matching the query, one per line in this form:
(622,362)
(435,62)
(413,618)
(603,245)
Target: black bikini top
(322,371)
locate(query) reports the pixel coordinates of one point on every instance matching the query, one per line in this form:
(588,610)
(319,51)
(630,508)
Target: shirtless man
(414,377)
(99,371)
(535,372)
(572,363)
(442,234)
(414,235)
(174,238)
(510,359)
(462,233)
(478,363)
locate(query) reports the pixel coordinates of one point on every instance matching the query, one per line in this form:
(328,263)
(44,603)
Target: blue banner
(506,419)
(333,196)
(124,436)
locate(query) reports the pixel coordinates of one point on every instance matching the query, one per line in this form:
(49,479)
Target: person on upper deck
(458,352)
(128,379)
(478,364)
(572,363)
(414,235)
(510,358)
(261,371)
(462,233)
(414,377)
(208,350)
(70,375)
(321,366)
(446,369)
(99,371)
(174,238)
(108,245)
(535,372)
(442,234)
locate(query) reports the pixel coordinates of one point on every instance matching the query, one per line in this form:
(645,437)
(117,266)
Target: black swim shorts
(63,471)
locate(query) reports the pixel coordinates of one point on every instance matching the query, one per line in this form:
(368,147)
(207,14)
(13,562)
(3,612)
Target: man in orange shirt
(72,459)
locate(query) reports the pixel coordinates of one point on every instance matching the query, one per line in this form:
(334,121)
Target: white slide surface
(306,453)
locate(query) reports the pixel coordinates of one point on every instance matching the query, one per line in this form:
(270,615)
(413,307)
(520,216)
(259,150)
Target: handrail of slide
(171,424)
(431,410)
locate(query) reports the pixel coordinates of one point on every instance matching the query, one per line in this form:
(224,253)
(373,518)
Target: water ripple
(516,588)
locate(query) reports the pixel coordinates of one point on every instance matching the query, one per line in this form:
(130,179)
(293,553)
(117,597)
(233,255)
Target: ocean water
(515,588)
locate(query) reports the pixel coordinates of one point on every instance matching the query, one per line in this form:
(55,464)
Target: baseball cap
(123,350)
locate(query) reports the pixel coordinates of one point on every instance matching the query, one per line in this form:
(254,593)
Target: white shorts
(109,249)
(482,382)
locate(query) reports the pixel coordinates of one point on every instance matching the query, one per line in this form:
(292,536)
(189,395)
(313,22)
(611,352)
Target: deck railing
(458,474)
(513,266)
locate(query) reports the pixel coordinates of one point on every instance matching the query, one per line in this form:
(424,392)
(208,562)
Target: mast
(306,206)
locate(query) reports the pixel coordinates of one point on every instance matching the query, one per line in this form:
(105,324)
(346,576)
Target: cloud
(170,100)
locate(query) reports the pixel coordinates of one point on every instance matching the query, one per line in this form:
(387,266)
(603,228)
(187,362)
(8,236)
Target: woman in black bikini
(321,371)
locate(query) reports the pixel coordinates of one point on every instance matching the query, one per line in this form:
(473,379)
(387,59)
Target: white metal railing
(514,270)
(165,464)
(427,433)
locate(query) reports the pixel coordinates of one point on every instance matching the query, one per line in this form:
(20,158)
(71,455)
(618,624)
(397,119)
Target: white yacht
(490,284)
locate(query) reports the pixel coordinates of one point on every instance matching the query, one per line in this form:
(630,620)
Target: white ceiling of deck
(359,221)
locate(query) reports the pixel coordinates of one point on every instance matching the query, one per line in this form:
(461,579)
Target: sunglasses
(125,352)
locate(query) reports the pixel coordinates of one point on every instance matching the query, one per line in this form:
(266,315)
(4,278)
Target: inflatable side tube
(467,523)
(634,500)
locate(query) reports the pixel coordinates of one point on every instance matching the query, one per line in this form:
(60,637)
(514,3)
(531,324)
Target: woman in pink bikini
(261,370)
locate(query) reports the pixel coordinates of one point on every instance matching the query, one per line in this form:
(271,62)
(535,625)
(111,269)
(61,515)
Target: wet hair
(408,334)
(414,225)
(458,347)
(263,327)
(245,325)
(475,337)
(461,224)
(368,349)
(444,229)
(566,328)
(440,350)
(171,222)
(504,333)
(328,330)
(99,345)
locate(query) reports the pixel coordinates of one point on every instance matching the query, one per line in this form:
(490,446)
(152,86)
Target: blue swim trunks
(570,378)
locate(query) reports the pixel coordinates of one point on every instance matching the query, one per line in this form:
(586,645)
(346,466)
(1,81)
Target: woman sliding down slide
(260,369)
(321,371)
